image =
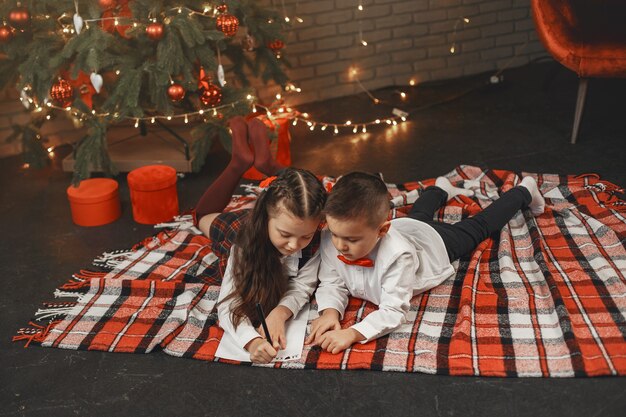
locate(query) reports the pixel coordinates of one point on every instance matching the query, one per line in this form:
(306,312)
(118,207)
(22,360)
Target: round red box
(94,202)
(153,193)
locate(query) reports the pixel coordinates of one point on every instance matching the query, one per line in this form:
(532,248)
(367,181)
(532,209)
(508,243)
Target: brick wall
(406,39)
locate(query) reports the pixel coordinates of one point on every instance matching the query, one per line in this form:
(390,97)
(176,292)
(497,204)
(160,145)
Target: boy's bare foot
(446,185)
(263,159)
(241,153)
(538,203)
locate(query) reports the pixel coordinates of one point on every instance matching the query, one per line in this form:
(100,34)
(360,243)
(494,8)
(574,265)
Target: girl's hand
(261,351)
(336,341)
(329,320)
(276,326)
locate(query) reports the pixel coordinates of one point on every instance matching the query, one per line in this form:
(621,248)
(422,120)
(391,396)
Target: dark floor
(518,126)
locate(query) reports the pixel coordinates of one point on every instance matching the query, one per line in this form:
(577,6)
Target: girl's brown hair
(258,274)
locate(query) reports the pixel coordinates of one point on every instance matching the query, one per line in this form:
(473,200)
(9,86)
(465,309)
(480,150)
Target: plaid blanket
(545,298)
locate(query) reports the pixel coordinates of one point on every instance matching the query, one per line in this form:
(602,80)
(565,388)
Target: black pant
(463,237)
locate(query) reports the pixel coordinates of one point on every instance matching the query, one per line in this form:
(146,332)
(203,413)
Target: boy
(388,262)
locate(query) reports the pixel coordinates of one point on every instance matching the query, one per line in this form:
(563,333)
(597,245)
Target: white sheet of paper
(295,330)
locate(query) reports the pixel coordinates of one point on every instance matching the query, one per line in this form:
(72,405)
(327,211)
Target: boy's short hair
(359,195)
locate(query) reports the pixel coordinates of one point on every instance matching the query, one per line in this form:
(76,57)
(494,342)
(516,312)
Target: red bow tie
(366,262)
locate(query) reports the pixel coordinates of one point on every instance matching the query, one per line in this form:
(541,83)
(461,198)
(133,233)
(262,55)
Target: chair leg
(580,105)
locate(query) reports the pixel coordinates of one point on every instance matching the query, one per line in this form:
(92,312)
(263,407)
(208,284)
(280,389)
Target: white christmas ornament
(25,99)
(78,23)
(96,81)
(220,75)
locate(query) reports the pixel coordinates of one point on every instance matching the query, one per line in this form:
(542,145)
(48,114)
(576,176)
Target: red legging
(254,132)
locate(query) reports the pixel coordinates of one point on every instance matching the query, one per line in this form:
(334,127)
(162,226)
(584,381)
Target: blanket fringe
(37,333)
(110,260)
(74,285)
(182,222)
(54,310)
(66,294)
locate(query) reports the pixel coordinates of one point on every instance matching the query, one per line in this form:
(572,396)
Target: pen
(259,311)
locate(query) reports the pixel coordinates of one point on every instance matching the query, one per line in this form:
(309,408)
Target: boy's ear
(384,228)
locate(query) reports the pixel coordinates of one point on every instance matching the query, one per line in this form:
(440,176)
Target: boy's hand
(329,320)
(276,326)
(260,350)
(337,341)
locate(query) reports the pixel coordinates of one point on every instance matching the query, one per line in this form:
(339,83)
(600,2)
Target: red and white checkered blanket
(547,298)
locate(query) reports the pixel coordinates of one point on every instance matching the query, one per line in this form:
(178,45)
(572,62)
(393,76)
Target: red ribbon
(203,80)
(82,86)
(121,10)
(365,262)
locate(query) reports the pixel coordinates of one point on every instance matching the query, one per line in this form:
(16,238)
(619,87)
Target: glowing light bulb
(355,129)
(411,82)
(324,127)
(348,123)
(363,42)
(403,95)
(152,120)
(200,111)
(136,122)
(336,130)
(377,121)
(169,117)
(295,122)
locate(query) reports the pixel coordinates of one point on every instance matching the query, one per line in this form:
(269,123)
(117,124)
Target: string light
(456,24)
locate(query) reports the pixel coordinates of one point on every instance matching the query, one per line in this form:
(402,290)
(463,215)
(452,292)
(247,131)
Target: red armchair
(586,36)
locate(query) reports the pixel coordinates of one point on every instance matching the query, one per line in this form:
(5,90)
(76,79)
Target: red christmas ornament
(276,45)
(62,93)
(211,95)
(19,17)
(106,4)
(5,34)
(155,31)
(176,92)
(228,24)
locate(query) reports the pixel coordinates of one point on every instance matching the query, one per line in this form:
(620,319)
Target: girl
(274,258)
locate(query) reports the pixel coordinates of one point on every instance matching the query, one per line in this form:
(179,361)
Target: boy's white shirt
(410,259)
(301,285)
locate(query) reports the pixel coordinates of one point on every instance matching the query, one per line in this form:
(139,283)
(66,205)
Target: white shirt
(410,259)
(301,285)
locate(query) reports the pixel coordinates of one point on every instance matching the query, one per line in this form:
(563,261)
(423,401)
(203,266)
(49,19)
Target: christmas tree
(137,61)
